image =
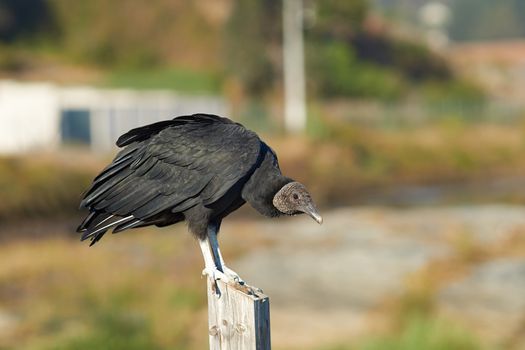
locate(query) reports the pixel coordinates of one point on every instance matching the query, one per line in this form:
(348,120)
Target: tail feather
(128,224)
(95,229)
(94,219)
(87,221)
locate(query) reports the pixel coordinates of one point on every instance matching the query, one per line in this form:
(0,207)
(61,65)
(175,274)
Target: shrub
(336,72)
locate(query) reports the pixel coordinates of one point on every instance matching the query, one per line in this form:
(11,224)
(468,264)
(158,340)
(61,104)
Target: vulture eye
(295,196)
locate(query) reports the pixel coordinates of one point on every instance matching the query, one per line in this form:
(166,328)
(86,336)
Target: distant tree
(345,58)
(338,19)
(413,60)
(335,71)
(252,34)
(25,19)
(334,68)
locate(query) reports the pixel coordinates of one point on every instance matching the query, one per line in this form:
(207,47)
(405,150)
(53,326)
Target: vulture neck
(264,183)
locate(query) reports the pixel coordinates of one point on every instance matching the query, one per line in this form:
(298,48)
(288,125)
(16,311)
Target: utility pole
(294,81)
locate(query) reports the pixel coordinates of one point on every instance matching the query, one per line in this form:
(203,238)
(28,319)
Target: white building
(45,116)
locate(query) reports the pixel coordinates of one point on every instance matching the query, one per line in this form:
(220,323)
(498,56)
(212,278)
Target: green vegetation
(186,47)
(350,161)
(142,292)
(252,33)
(130,34)
(160,44)
(411,59)
(25,20)
(39,188)
(337,72)
(113,329)
(185,80)
(414,321)
(345,57)
(453,93)
(419,333)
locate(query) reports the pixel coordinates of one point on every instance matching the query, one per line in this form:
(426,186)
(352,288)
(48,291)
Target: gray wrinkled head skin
(293,198)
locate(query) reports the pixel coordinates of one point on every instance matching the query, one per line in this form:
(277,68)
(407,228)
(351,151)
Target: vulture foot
(228,276)
(214,275)
(232,275)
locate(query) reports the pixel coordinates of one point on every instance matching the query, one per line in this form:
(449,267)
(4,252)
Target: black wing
(168,166)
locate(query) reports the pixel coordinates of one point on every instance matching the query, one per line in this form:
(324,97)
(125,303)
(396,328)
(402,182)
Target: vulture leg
(210,269)
(219,261)
(214,266)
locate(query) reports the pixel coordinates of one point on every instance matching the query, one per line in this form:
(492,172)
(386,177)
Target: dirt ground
(352,277)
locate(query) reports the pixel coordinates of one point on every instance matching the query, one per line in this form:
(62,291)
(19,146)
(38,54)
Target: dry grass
(137,290)
(61,294)
(418,302)
(340,168)
(349,162)
(142,290)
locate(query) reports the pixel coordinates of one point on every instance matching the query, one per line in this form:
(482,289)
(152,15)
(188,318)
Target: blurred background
(405,118)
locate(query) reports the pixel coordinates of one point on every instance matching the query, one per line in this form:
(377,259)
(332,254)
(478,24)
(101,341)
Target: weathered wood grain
(238,319)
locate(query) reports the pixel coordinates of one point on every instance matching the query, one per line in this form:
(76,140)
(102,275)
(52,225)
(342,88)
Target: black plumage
(196,168)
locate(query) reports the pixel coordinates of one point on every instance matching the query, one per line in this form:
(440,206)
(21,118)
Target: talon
(214,275)
(233,275)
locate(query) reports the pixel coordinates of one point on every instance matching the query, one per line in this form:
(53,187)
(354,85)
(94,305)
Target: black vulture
(197,168)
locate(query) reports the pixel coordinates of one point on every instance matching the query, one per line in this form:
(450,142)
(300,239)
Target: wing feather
(171,166)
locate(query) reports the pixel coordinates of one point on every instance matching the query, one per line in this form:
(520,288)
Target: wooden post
(238,319)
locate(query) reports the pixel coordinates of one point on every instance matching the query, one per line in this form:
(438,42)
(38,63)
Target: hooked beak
(312,211)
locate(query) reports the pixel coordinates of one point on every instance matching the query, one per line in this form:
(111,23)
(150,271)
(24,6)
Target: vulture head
(293,198)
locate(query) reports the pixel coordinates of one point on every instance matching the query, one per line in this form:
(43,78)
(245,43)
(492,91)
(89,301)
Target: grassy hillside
(343,164)
(211,46)
(142,290)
